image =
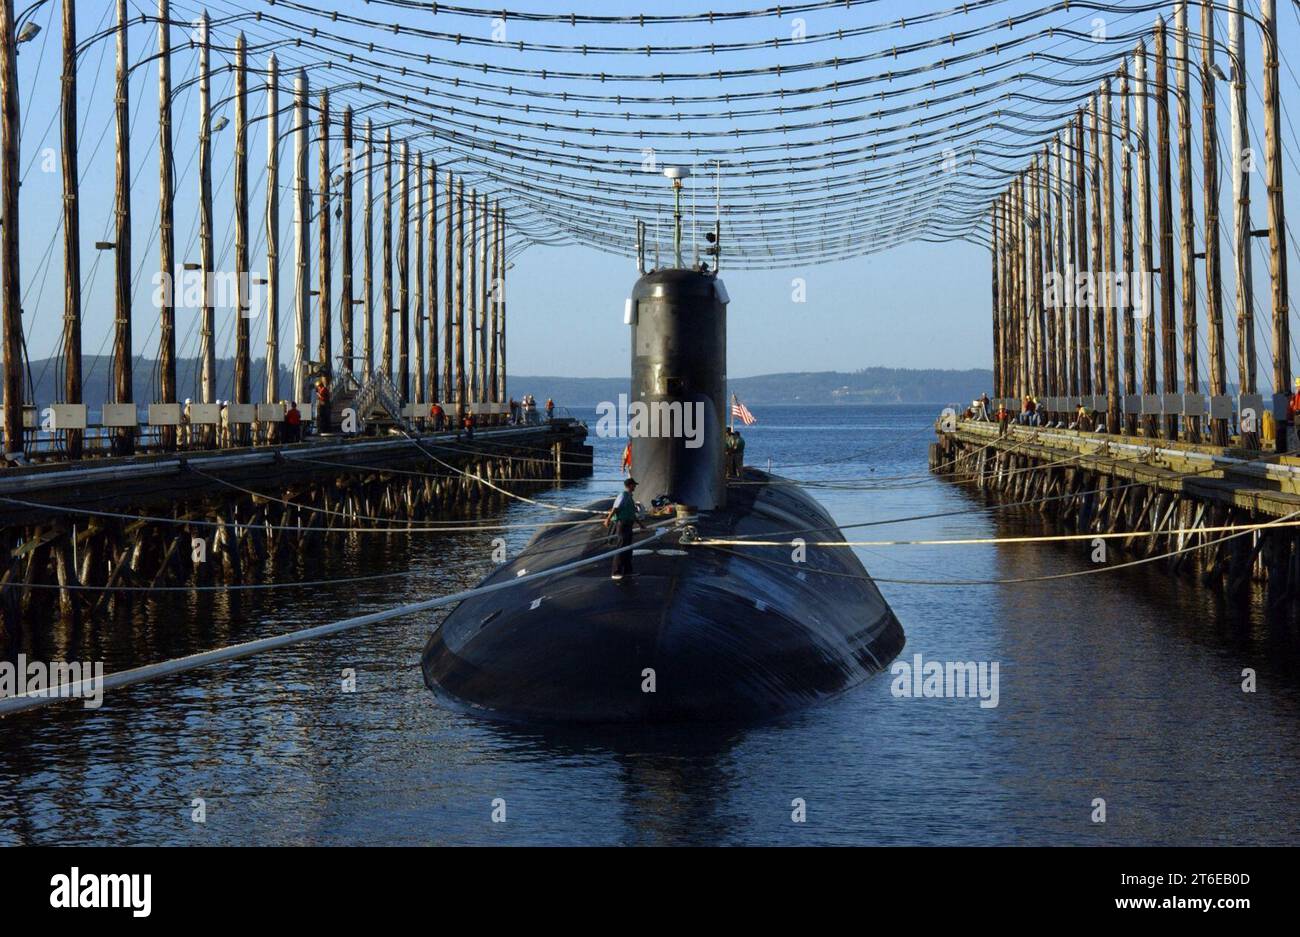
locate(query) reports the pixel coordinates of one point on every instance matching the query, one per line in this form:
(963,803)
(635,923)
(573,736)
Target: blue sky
(917,305)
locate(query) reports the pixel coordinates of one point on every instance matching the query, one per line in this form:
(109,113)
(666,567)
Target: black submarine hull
(699,634)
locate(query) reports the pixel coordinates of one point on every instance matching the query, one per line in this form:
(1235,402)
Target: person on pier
(292,422)
(322,406)
(438,416)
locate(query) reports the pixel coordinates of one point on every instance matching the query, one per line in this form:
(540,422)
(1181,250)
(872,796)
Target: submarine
(699,633)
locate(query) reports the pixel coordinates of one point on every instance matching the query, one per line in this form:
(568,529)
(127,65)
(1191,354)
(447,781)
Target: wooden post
(1038,380)
(1246,364)
(1064,280)
(1210,193)
(243,303)
(493,298)
(10,283)
(501,293)
(417,311)
(123,437)
(1081,250)
(207,318)
(325,247)
(1187,241)
(432,303)
(1146,310)
(995,258)
(1108,272)
(1164,185)
(1069,329)
(166,225)
(448,293)
(1126,310)
(404,282)
(346,312)
(1022,305)
(1276,208)
(484,294)
(302,241)
(386,334)
(71,226)
(471,296)
(1096,292)
(367,324)
(272,379)
(460,297)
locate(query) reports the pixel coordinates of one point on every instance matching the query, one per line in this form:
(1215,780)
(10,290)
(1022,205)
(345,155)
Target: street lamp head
(28,33)
(220,124)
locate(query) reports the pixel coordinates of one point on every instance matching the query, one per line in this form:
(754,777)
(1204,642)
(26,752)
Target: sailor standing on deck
(624,515)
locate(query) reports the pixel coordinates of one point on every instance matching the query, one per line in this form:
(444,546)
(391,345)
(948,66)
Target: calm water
(1122,686)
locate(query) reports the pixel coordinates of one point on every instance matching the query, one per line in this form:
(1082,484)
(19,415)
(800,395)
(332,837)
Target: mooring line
(1046,538)
(81,688)
(1022,580)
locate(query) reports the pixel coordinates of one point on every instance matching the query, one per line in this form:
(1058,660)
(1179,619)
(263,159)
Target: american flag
(738,409)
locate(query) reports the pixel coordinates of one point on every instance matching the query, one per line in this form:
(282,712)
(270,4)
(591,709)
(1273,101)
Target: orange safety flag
(627,459)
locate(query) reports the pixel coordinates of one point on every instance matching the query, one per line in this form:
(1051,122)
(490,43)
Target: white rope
(81,688)
(1049,538)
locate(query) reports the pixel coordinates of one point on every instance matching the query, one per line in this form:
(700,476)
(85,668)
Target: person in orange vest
(550,409)
(467,423)
(438,416)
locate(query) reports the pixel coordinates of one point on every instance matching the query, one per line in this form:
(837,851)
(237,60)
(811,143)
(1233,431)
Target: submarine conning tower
(679,374)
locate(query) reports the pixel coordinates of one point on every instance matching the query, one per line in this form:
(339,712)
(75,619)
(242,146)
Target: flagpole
(733,413)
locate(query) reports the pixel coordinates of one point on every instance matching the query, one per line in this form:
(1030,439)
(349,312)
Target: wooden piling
(483,296)
(494,298)
(432,303)
(166,226)
(471,296)
(386,333)
(1107,130)
(1164,184)
(302,240)
(271,393)
(404,280)
(1084,268)
(368,323)
(325,246)
(461,400)
(1126,310)
(1210,197)
(73,438)
(239,432)
(417,309)
(1146,296)
(207,317)
(1246,363)
(1187,224)
(1276,208)
(448,292)
(346,306)
(1096,292)
(123,436)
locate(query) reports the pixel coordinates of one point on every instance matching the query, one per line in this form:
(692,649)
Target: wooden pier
(1171,495)
(87,537)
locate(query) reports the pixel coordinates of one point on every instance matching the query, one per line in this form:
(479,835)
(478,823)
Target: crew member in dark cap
(623,515)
